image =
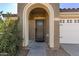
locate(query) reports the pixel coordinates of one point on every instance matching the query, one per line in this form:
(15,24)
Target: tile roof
(69,10)
(11,15)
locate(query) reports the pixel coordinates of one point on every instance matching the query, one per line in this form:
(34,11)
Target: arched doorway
(27,9)
(38,25)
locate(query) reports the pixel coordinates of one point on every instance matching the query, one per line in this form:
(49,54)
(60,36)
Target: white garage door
(69,31)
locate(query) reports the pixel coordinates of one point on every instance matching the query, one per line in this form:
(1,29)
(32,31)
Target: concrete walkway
(72,49)
(37,49)
(41,49)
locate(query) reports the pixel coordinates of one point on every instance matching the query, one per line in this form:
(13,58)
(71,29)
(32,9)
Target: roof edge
(69,10)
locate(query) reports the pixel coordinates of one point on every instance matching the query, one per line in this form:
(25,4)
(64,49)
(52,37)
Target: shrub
(1,26)
(10,41)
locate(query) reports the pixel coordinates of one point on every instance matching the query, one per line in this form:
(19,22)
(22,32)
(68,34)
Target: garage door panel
(69,33)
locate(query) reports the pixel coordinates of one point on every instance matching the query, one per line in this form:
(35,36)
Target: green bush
(10,41)
(1,26)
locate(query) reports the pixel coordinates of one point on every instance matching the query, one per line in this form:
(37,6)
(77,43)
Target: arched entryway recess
(27,9)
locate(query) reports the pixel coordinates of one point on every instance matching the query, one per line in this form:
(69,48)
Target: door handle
(35,29)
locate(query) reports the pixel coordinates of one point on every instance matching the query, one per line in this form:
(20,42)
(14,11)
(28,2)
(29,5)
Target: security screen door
(39,37)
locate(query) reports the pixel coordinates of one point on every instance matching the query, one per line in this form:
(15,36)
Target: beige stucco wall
(69,15)
(31,29)
(56,9)
(56,34)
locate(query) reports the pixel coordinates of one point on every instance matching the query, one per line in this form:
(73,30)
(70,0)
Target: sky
(12,7)
(69,5)
(8,7)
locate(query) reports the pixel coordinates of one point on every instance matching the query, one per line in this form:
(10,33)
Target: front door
(39,31)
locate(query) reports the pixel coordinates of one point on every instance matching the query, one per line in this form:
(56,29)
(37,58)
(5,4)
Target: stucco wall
(56,9)
(20,7)
(56,34)
(69,15)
